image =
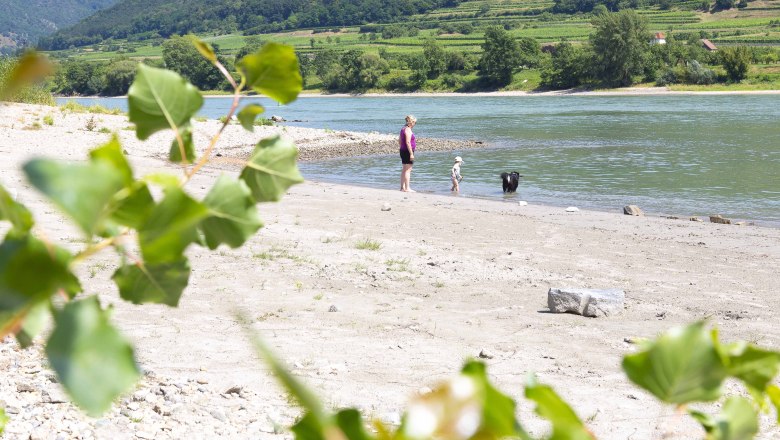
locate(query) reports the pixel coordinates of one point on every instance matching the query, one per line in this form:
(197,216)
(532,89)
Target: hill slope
(141,19)
(23,21)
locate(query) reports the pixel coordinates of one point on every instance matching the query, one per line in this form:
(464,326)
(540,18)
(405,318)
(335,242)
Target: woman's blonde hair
(410,118)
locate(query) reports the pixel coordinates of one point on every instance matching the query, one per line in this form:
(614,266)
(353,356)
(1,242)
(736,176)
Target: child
(455,174)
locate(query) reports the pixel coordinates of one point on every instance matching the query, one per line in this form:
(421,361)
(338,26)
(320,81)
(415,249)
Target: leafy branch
(102,196)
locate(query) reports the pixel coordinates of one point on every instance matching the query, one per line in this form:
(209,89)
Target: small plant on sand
(317,297)
(91,124)
(112,207)
(48,120)
(34,126)
(368,244)
(398,265)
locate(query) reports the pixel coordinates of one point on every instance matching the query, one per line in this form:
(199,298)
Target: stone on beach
(632,210)
(720,219)
(572,209)
(592,303)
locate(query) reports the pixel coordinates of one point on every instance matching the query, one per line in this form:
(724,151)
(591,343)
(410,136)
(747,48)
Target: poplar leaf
(185,132)
(274,72)
(680,366)
(159,283)
(160,99)
(232,214)
(17,214)
(94,363)
(171,227)
(82,191)
(248,114)
(272,169)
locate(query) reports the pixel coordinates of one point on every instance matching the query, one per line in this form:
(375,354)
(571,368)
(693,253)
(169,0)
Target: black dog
(510,181)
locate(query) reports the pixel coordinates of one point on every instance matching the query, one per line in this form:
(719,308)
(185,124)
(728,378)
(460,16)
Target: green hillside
(24,21)
(143,19)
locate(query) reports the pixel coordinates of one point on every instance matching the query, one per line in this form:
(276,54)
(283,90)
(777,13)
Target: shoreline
(450,277)
(630,91)
(236,144)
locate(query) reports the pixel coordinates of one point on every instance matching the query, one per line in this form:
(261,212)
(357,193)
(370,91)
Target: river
(670,154)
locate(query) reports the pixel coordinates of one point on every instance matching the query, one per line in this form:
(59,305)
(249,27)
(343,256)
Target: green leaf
(82,191)
(774,396)
(161,283)
(498,409)
(160,99)
(351,424)
(272,169)
(305,398)
(30,68)
(274,72)
(3,420)
(752,365)
(14,212)
(93,361)
(171,227)
(34,323)
(162,180)
(565,423)
(248,114)
(111,154)
(185,132)
(232,214)
(30,272)
(737,421)
(309,427)
(132,205)
(204,48)
(681,366)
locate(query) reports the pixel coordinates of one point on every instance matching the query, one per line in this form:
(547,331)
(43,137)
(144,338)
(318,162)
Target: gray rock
(593,303)
(24,388)
(720,219)
(333,308)
(218,414)
(632,210)
(386,207)
(484,354)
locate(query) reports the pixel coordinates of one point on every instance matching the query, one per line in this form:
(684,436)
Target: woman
(407,145)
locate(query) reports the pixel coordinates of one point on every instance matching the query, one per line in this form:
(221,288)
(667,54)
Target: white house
(659,38)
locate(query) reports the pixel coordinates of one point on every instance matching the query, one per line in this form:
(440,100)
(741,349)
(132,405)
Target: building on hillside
(707,44)
(659,38)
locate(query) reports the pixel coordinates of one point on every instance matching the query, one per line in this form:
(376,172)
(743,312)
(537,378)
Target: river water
(671,155)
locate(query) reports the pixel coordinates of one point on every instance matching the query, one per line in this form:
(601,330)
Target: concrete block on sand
(632,210)
(594,303)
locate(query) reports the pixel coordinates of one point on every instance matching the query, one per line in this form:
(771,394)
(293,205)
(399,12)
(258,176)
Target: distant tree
(736,62)
(419,66)
(436,58)
(325,61)
(529,52)
(621,44)
(500,56)
(119,75)
(600,9)
(724,4)
(566,67)
(181,56)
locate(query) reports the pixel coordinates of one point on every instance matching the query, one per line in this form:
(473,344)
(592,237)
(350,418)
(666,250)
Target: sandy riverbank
(453,276)
(626,91)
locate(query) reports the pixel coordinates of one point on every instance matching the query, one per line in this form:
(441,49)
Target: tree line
(619,53)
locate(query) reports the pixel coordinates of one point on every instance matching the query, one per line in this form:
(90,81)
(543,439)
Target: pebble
(572,209)
(333,308)
(484,354)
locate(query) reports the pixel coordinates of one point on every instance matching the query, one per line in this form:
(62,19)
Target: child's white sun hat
(458,159)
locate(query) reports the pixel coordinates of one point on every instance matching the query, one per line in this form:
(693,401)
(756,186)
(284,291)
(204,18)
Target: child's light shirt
(455,173)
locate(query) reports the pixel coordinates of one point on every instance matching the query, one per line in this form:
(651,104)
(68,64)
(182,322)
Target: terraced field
(758,24)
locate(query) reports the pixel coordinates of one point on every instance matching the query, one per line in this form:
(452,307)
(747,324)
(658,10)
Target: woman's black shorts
(406,158)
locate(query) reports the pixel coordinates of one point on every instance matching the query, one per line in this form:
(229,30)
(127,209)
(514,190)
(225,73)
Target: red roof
(708,44)
(660,35)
